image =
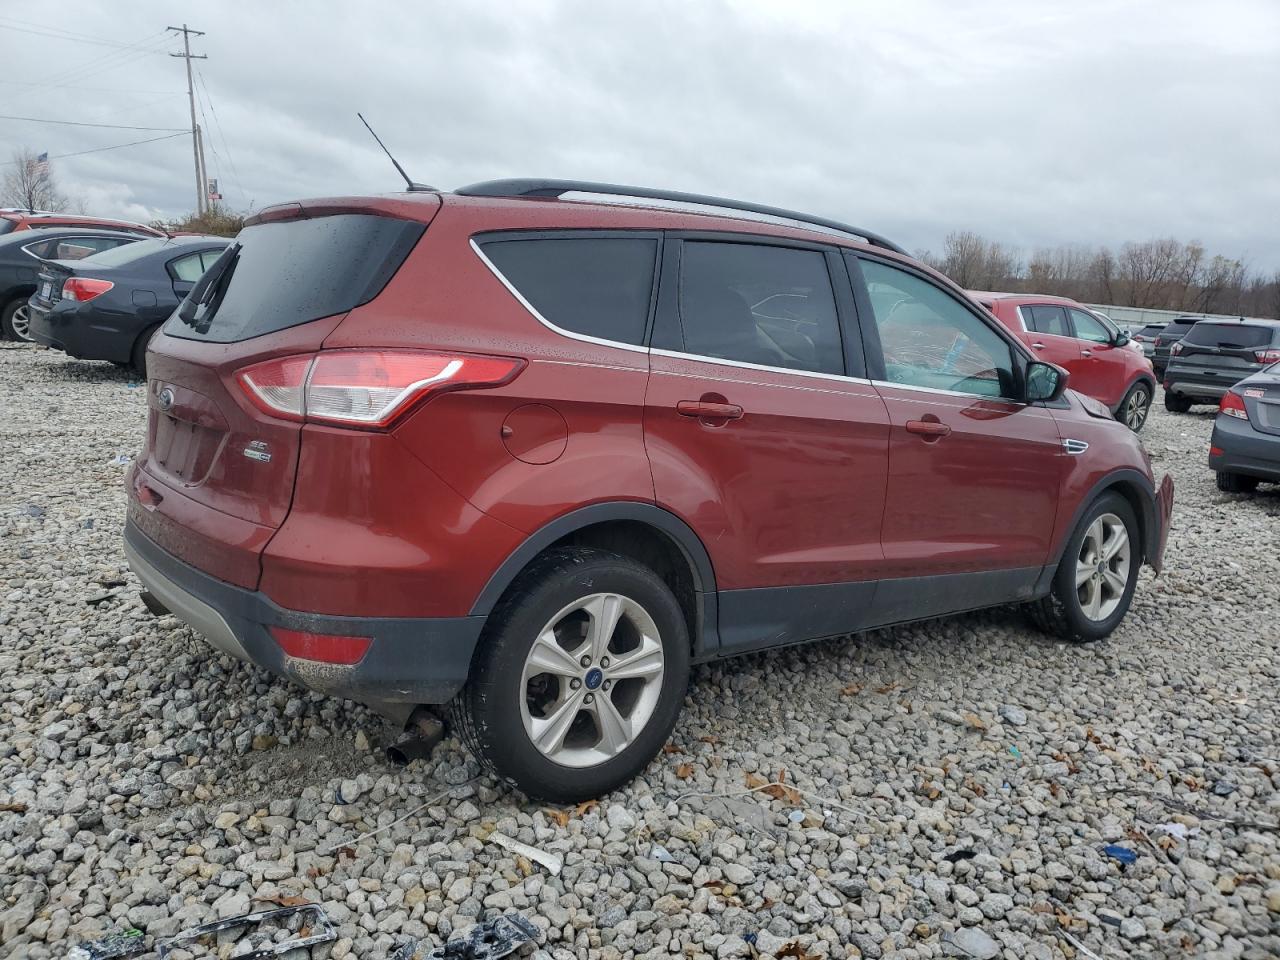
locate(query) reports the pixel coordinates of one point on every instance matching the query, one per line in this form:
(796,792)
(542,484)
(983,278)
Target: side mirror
(1121,339)
(1045,382)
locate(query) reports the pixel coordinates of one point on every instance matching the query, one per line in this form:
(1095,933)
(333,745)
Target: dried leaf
(282,900)
(347,853)
(714,741)
(670,748)
(1042,907)
(888,687)
(851,690)
(767,904)
(780,791)
(313,872)
(586,807)
(13,807)
(684,771)
(977,788)
(560,817)
(793,949)
(975,721)
(525,867)
(1054,788)
(1166,843)
(755,780)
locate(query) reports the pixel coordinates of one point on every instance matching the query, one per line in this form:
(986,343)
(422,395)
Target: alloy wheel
(21,322)
(1136,409)
(1102,567)
(591,680)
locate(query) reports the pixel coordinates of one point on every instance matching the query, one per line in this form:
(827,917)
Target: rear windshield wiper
(208,291)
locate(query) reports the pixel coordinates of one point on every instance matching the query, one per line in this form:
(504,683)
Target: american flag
(42,163)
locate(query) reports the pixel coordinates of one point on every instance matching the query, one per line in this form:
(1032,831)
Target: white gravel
(961,777)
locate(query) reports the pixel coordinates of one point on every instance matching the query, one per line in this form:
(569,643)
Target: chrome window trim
(948,393)
(816,374)
(584,338)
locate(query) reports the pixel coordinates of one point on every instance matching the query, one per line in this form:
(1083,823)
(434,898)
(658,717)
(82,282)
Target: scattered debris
(1015,751)
(955,856)
(120,460)
(1224,788)
(108,583)
(122,943)
(13,808)
(32,510)
(1084,951)
(485,941)
(661,854)
(1117,852)
(973,942)
(796,816)
(1179,830)
(100,598)
(315,927)
(552,861)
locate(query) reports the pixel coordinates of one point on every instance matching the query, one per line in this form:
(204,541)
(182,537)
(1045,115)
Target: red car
(12,220)
(1102,360)
(531,457)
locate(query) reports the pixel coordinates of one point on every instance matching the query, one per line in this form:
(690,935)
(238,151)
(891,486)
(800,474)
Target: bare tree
(28,183)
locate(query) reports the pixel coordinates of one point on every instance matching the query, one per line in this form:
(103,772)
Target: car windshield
(1232,336)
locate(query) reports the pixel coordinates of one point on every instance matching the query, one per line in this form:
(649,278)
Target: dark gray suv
(1214,356)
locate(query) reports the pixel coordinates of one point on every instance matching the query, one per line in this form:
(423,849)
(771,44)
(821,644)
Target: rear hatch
(1226,351)
(216,478)
(1170,335)
(1261,394)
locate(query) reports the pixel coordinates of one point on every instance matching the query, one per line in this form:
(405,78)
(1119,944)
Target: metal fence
(1133,318)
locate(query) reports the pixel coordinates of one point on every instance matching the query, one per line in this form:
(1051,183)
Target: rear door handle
(929,429)
(709,410)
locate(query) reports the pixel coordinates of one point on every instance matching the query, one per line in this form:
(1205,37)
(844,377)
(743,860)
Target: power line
(118,146)
(61,31)
(109,61)
(112,126)
(218,124)
(62,36)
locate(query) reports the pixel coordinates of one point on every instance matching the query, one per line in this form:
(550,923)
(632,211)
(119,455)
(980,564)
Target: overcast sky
(1035,123)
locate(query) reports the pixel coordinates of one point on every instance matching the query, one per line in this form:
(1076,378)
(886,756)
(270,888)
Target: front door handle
(1038,345)
(709,410)
(1086,353)
(931,430)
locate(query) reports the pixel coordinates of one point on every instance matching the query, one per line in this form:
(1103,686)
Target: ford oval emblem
(165,400)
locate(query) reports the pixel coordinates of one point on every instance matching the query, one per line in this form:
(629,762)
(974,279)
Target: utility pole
(191,96)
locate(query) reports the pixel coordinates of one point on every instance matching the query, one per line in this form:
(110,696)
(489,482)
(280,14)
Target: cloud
(1064,122)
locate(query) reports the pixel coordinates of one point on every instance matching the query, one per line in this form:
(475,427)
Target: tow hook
(422,733)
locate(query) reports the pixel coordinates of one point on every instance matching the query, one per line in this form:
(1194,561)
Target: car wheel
(16,320)
(1094,584)
(1236,482)
(1176,402)
(1135,406)
(139,354)
(580,674)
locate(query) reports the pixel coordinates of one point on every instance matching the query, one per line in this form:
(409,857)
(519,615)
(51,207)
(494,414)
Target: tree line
(1160,274)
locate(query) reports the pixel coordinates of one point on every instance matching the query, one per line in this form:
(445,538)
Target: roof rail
(526,187)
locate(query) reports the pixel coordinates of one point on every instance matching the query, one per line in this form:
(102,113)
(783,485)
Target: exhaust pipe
(421,735)
(149,601)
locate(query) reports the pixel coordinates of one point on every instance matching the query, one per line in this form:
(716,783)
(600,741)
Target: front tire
(1135,406)
(579,678)
(1236,482)
(1176,402)
(1094,584)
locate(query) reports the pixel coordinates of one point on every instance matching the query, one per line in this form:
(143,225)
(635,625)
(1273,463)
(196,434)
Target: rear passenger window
(1047,318)
(595,286)
(188,268)
(766,305)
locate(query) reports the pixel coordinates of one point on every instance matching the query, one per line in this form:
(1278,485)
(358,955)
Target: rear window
(595,286)
(118,254)
(278,275)
(1229,335)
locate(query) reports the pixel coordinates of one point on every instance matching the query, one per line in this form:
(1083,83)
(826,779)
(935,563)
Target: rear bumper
(410,661)
(1244,450)
(80,334)
(1190,380)
(38,327)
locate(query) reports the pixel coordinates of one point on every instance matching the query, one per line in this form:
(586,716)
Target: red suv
(532,457)
(1102,360)
(12,220)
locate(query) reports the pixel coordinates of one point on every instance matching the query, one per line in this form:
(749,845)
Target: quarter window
(929,339)
(596,286)
(1047,318)
(188,268)
(766,305)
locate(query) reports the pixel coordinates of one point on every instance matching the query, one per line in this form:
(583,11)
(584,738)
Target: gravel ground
(961,778)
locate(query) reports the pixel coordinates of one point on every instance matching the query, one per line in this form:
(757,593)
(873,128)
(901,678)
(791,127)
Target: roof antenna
(413,187)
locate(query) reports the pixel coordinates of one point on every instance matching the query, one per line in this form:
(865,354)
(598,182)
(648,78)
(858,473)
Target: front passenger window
(1089,327)
(929,339)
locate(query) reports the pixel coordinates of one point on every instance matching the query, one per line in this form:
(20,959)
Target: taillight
(1176,348)
(325,647)
(1267,356)
(1232,404)
(84,288)
(366,388)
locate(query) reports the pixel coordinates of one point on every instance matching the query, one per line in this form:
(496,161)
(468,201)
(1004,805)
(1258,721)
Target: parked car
(533,457)
(1146,336)
(106,307)
(1173,331)
(13,220)
(1214,356)
(1245,447)
(1095,352)
(21,257)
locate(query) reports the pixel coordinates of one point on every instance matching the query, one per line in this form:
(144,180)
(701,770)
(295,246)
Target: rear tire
(13,320)
(1135,406)
(560,710)
(1094,584)
(1176,402)
(138,358)
(1236,482)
